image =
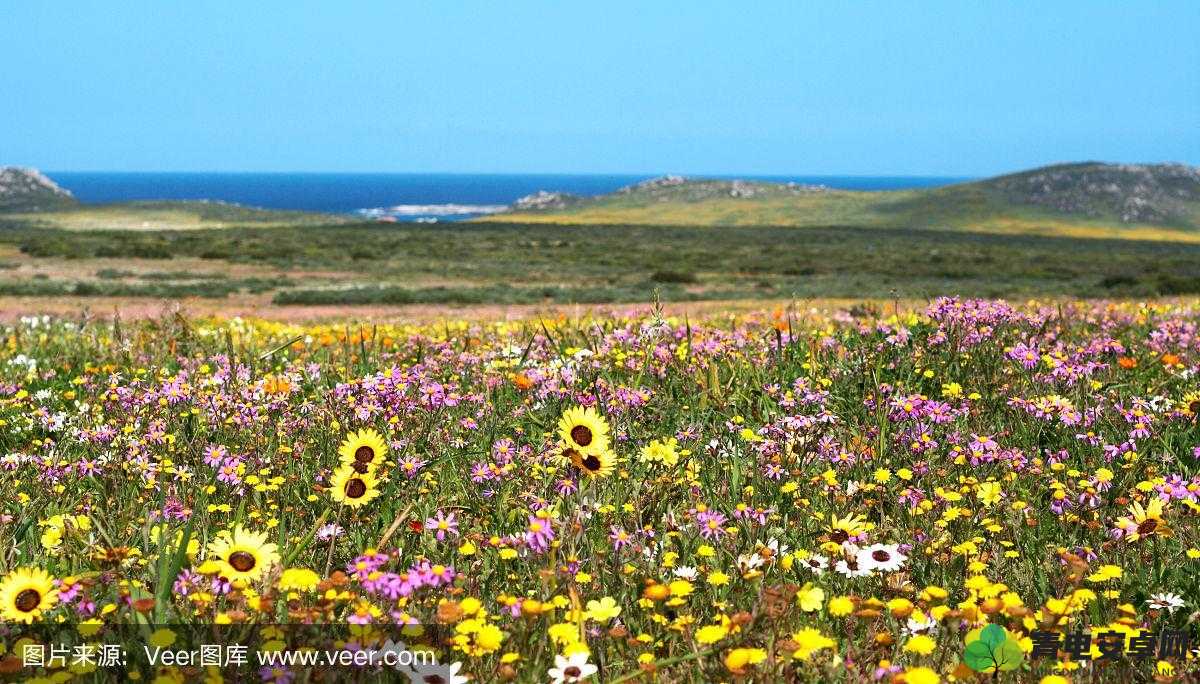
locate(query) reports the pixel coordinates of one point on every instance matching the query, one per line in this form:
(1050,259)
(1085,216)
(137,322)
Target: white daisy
(777,549)
(330,531)
(849,566)
(573,669)
(815,563)
(1166,601)
(881,558)
(919,623)
(749,561)
(686,572)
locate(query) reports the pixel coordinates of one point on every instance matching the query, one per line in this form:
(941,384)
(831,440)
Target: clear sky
(916,88)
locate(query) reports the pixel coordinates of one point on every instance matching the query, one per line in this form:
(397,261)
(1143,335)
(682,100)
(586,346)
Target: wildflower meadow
(968,490)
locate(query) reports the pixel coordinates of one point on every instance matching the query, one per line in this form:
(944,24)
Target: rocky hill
(1091,199)
(543,200)
(1132,193)
(28,189)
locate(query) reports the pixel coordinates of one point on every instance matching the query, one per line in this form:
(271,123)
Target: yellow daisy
(664,451)
(592,463)
(352,488)
(363,450)
(583,429)
(245,555)
(25,594)
(841,530)
(1191,404)
(1144,522)
(298,579)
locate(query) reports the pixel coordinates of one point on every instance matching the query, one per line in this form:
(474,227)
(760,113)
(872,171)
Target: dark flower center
(1194,407)
(880,556)
(572,671)
(434,679)
(355,488)
(591,463)
(839,536)
(28,600)
(242,561)
(364,454)
(360,467)
(1147,526)
(582,435)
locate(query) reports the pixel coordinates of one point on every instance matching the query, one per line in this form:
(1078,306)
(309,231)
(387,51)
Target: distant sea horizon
(403,196)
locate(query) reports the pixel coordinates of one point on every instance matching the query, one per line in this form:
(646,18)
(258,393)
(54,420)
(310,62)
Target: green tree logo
(992,650)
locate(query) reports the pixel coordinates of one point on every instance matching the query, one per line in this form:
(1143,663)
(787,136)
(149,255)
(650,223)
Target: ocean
(404,196)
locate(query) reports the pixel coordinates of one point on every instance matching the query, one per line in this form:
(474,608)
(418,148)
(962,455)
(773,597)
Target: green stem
(669,661)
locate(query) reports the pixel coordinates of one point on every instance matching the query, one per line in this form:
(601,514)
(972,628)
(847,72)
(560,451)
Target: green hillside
(1087,199)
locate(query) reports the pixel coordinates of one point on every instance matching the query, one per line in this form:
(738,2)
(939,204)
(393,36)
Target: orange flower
(656,592)
(778,321)
(275,384)
(1170,359)
(522,382)
(1127,362)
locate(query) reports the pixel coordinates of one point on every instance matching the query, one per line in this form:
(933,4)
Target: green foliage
(674,277)
(370,263)
(107,288)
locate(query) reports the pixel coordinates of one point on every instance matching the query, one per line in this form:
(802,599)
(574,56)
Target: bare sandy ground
(21,266)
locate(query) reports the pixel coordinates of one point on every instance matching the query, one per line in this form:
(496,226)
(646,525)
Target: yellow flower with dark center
(25,594)
(841,530)
(352,488)
(1191,404)
(363,450)
(1144,522)
(592,463)
(245,555)
(584,430)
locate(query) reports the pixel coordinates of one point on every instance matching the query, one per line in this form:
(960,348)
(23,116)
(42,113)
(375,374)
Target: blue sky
(928,88)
